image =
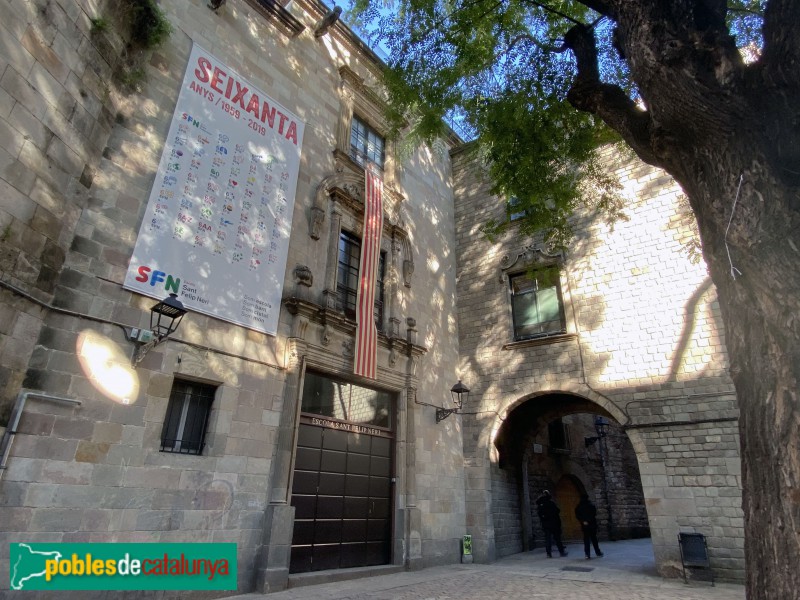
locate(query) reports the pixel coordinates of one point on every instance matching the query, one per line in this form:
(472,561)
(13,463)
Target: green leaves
(501,65)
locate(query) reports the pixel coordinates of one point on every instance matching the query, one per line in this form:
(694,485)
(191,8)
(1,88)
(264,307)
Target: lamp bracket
(142,350)
(443,413)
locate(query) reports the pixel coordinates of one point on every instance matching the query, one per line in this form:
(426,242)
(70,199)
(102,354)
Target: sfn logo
(154,277)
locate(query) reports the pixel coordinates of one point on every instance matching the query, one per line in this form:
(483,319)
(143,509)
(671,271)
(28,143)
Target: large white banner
(216,229)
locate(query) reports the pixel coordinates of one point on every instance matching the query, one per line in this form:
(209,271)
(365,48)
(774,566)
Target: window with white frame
(366,144)
(536,304)
(185,423)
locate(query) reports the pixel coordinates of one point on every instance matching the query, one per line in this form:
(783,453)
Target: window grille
(514,208)
(187,415)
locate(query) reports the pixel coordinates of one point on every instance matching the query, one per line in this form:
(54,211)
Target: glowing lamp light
(107,367)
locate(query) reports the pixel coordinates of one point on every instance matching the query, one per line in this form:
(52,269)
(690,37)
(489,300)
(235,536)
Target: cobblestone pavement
(626,572)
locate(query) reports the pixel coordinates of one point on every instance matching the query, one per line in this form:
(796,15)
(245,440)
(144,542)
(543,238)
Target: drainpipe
(16,414)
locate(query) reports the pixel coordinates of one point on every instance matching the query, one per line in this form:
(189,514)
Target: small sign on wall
(466,549)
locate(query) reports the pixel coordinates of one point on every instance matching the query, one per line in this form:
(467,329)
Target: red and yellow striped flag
(366,361)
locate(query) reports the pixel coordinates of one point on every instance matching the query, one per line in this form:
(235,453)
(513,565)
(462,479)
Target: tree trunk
(729,133)
(758,290)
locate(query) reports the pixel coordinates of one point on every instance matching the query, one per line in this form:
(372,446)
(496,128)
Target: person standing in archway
(586,512)
(549,514)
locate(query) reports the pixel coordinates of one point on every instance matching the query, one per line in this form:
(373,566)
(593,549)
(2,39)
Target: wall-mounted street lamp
(601,427)
(164,320)
(460,393)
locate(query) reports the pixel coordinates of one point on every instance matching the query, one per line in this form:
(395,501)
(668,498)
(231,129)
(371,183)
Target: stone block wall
(506,512)
(54,120)
(76,173)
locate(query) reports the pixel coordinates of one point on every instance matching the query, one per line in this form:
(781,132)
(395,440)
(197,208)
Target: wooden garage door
(342,494)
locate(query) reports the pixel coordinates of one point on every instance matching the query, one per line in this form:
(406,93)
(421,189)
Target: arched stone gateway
(565,444)
(569,444)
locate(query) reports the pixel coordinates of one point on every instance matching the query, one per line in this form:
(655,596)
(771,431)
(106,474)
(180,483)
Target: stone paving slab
(627,571)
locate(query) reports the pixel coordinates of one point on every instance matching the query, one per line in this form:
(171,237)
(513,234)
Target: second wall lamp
(460,393)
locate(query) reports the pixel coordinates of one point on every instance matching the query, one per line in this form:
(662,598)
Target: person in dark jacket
(586,512)
(549,514)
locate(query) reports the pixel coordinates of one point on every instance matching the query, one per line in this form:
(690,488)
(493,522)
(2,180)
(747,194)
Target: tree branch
(526,36)
(550,9)
(609,102)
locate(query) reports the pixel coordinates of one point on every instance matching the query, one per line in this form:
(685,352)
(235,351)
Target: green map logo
(28,564)
(121,566)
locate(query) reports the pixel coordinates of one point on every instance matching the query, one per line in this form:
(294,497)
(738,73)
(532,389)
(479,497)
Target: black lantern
(164,320)
(601,427)
(166,316)
(460,393)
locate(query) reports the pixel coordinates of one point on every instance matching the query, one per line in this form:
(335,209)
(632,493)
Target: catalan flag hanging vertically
(366,333)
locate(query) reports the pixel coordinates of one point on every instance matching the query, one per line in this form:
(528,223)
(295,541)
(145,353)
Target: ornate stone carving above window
(357,98)
(338,208)
(538,297)
(532,256)
(340,200)
(347,187)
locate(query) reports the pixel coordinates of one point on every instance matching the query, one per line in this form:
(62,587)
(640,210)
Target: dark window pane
(347,273)
(557,434)
(347,278)
(186,419)
(346,402)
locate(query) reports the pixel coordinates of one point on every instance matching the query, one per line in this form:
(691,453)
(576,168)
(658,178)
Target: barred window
(365,143)
(187,415)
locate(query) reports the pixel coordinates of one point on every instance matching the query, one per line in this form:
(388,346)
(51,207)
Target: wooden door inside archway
(567,496)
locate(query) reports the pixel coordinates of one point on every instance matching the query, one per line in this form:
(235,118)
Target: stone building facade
(89,451)
(638,341)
